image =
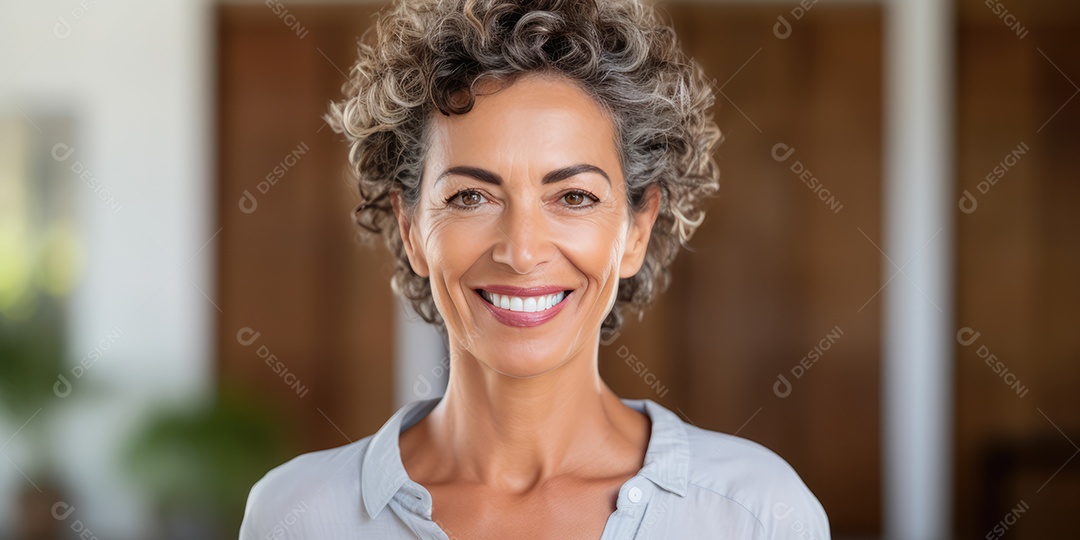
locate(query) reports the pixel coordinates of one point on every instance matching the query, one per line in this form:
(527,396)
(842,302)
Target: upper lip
(523,291)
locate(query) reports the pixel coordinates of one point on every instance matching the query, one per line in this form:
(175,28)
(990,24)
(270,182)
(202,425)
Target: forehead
(544,120)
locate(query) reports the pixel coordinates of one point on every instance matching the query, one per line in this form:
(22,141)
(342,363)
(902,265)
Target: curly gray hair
(431,55)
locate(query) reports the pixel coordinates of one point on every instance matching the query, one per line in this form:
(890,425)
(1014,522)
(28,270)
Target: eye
(469,199)
(579,199)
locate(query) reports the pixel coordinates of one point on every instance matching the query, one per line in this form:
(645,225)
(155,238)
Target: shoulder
(752,477)
(307,495)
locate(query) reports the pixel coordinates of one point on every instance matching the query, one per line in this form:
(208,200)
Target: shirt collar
(667,458)
(381,472)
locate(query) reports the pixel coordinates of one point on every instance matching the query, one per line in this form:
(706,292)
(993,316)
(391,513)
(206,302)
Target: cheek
(593,245)
(453,245)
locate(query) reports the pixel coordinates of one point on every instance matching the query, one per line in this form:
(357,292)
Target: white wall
(135,77)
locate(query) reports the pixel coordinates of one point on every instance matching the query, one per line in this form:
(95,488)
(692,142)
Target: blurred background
(884,291)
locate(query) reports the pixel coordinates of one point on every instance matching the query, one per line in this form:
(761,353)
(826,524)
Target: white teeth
(527,304)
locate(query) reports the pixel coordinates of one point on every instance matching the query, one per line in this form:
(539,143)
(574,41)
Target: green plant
(31,359)
(198,463)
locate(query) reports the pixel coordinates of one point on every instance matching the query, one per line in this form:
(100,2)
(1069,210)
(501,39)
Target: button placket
(412,503)
(631,507)
(414,497)
(635,494)
(622,523)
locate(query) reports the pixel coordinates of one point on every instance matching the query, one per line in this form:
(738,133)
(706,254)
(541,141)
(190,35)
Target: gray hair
(431,55)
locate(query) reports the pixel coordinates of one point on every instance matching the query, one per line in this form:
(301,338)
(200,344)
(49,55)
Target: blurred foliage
(31,359)
(199,462)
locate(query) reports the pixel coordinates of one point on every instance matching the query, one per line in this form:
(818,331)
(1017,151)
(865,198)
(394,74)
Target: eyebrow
(551,177)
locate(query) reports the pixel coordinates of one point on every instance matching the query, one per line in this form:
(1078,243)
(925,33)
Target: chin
(522,360)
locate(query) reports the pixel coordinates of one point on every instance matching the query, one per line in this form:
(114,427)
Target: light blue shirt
(695,483)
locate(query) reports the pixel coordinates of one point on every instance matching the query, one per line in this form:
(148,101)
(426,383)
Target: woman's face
(525,191)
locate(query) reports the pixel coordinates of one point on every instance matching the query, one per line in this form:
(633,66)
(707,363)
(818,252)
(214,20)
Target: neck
(512,434)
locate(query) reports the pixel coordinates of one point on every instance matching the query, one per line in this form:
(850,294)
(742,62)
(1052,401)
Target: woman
(534,166)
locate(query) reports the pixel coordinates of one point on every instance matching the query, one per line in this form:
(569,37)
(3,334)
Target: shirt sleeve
(253,525)
(762,483)
(793,512)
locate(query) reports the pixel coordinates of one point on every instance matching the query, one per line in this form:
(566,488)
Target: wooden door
(305,310)
(1018,258)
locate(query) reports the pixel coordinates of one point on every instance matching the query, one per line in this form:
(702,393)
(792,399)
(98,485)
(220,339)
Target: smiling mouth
(524,304)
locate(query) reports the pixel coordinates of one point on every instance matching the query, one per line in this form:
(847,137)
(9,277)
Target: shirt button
(634,494)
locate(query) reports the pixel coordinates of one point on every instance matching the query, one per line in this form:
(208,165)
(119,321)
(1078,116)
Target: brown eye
(574,198)
(471,198)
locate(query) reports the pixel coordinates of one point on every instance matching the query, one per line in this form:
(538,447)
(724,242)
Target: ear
(637,240)
(409,235)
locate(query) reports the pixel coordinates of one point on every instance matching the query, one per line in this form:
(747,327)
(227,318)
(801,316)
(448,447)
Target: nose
(524,240)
